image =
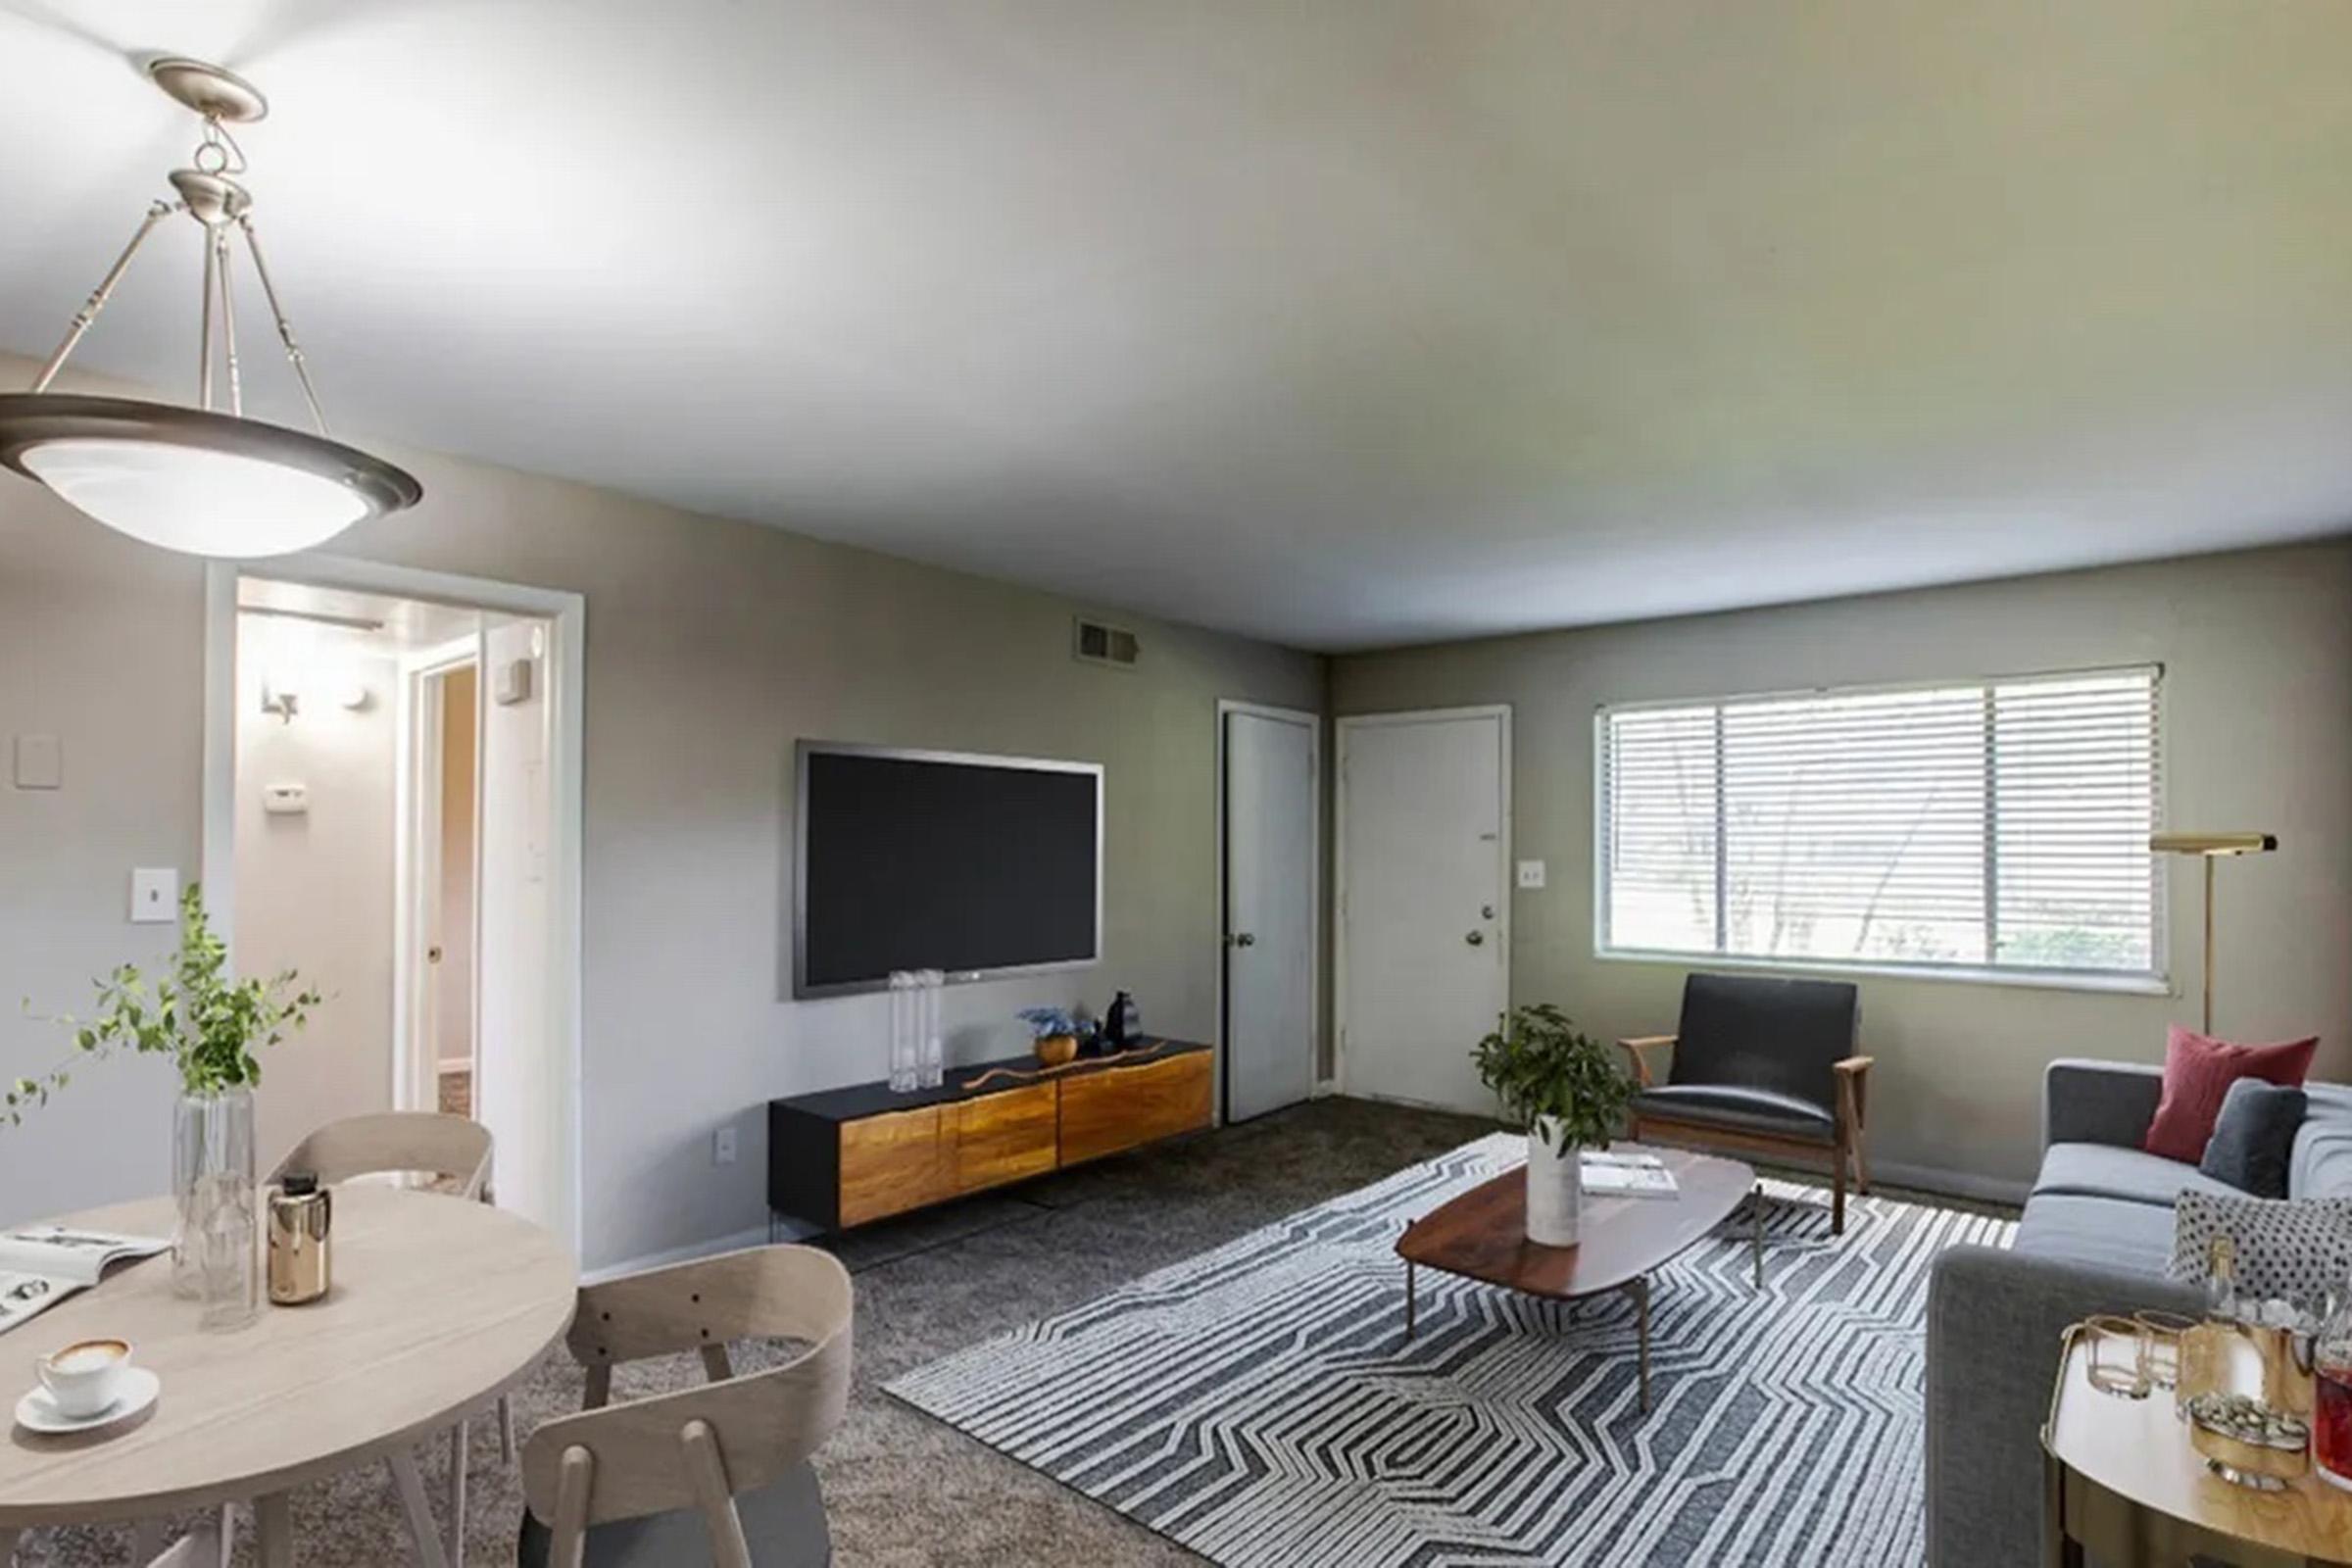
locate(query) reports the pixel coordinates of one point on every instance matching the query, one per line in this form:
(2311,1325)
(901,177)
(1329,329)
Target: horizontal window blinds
(1999,825)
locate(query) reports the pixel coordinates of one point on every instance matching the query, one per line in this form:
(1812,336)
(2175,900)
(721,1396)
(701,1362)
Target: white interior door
(1271,829)
(519,1081)
(1424,902)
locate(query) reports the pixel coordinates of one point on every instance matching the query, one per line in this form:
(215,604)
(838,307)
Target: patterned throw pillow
(2291,1249)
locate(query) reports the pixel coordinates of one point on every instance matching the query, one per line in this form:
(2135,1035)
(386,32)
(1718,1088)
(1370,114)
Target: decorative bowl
(1057,1051)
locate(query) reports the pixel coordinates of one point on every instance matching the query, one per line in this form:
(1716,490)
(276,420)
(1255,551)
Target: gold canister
(302,1218)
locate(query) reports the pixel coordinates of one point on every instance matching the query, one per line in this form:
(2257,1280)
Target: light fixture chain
(157,212)
(285,329)
(218,153)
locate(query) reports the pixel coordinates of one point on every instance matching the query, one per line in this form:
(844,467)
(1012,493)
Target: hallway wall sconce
(280,696)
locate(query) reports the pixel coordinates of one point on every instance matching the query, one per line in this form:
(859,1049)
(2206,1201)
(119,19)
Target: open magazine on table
(41,1265)
(1612,1173)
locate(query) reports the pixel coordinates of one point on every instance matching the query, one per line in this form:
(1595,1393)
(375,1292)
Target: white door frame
(566,614)
(417,865)
(1342,728)
(1227,707)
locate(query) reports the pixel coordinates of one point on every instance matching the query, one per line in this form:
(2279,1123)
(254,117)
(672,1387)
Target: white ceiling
(1343,323)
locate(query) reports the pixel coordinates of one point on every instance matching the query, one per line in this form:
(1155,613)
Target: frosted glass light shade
(209,485)
(205,503)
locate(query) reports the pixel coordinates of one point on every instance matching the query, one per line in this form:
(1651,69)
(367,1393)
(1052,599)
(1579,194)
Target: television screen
(932,860)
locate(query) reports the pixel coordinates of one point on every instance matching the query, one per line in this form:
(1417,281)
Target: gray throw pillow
(2254,1137)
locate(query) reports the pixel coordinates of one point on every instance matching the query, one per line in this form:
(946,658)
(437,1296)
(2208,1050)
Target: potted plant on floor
(1562,1089)
(210,1023)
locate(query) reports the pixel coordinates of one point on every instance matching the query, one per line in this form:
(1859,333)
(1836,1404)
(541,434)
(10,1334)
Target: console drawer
(894,1162)
(1124,1107)
(1003,1138)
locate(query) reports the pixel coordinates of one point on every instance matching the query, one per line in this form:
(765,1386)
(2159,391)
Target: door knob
(1476,939)
(1243,939)
(432,955)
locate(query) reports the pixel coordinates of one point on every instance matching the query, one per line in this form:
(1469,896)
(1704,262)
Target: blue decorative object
(1047,1023)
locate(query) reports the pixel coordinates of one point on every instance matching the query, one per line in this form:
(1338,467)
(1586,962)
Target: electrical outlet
(723,1147)
(1530,873)
(154,895)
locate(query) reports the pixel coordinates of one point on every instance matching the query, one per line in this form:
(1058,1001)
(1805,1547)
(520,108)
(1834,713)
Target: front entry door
(1424,901)
(1270,896)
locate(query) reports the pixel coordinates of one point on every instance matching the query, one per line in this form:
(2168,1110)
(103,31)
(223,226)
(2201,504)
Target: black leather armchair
(1761,1065)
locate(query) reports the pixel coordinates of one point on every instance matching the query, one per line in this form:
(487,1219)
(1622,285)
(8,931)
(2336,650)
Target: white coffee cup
(84,1377)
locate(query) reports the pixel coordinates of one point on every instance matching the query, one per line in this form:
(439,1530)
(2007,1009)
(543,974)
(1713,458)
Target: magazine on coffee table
(1609,1173)
(41,1265)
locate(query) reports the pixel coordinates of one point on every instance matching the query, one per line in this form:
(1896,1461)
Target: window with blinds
(1997,825)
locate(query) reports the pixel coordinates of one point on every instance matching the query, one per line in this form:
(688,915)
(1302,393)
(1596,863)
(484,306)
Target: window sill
(2122,985)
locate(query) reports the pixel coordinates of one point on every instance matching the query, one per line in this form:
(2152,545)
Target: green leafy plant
(1553,1080)
(202,1016)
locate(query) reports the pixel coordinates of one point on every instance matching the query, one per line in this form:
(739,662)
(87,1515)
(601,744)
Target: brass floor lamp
(2212,847)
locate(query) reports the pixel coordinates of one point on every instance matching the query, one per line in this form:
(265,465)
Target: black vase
(1122,1023)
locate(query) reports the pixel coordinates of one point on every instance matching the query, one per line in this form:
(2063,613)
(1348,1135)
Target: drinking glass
(2119,1357)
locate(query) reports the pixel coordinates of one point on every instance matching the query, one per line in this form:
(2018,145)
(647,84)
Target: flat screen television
(974,865)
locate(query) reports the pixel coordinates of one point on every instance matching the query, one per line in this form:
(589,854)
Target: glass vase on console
(930,1038)
(216,1247)
(904,1051)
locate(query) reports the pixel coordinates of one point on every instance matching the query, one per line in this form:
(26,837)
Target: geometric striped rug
(1258,1404)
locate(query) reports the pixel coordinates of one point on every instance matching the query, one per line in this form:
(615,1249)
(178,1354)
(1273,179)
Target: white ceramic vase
(1555,1191)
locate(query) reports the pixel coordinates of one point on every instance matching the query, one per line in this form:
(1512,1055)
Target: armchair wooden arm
(1853,1083)
(1637,1049)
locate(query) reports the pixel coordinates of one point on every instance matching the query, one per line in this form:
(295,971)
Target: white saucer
(37,1412)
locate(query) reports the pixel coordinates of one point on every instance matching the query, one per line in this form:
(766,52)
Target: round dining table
(439,1306)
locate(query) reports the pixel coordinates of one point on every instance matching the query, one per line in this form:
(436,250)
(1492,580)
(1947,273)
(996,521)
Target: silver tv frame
(803,750)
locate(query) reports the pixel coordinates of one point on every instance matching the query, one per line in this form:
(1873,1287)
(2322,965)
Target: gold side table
(2121,1482)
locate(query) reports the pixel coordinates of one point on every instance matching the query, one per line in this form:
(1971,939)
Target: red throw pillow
(2197,1075)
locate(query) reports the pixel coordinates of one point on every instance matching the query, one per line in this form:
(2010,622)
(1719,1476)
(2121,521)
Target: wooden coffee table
(1482,1236)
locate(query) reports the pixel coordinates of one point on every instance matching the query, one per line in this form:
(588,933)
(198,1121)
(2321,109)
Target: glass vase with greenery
(211,1024)
(1562,1089)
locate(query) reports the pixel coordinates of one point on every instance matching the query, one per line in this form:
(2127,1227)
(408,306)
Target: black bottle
(1122,1023)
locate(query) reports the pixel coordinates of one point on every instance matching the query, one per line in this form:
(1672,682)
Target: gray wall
(711,646)
(2257,649)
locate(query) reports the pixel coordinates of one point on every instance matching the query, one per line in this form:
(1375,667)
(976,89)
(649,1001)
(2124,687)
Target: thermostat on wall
(513,682)
(285,800)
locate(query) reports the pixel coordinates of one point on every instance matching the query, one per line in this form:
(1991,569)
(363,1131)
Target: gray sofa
(2096,1235)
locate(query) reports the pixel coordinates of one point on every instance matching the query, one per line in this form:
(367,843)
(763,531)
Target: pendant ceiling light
(199,479)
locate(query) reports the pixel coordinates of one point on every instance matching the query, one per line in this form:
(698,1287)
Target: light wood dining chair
(456,1152)
(716,1473)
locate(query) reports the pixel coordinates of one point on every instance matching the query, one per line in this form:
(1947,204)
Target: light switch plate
(1530,873)
(40,762)
(154,895)
(723,1147)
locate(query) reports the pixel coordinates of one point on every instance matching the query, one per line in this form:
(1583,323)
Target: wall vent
(1094,643)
